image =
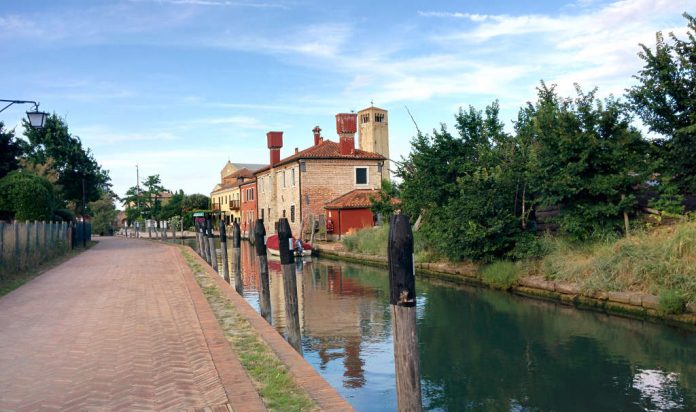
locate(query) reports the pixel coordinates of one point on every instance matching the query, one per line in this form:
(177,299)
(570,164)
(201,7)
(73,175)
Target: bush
(500,275)
(26,196)
(671,302)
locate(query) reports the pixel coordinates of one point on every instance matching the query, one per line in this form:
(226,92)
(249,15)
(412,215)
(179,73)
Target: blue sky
(181,86)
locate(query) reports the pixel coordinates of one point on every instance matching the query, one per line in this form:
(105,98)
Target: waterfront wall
(25,245)
(632,304)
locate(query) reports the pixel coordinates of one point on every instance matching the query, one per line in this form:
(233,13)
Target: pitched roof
(327,149)
(356,199)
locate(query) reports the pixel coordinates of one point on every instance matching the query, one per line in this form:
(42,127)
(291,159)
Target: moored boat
(272,243)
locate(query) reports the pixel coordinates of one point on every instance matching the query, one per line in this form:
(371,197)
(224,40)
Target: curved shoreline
(628,304)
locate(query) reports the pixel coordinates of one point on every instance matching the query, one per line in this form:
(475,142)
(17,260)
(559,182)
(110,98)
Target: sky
(179,87)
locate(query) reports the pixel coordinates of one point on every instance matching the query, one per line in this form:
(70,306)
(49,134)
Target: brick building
(248,206)
(299,186)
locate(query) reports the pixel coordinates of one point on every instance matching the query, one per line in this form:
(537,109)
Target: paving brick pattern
(115,328)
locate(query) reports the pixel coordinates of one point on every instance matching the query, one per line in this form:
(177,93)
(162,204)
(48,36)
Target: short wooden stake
(223,252)
(402,300)
(211,247)
(237,257)
(261,254)
(287,261)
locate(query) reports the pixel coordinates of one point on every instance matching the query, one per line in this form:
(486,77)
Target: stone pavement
(122,326)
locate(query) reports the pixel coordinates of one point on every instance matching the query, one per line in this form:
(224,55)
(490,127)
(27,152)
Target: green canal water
(481,349)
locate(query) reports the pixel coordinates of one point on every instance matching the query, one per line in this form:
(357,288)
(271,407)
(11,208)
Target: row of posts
(160,230)
(402,291)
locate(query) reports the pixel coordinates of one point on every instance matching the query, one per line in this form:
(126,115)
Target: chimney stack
(275,142)
(346,126)
(317,135)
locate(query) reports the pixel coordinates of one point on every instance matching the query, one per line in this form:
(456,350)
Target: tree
(383,203)
(10,151)
(153,189)
(196,201)
(73,164)
(103,215)
(25,196)
(665,99)
(590,160)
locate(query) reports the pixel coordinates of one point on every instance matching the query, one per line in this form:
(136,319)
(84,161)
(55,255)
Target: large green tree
(665,99)
(10,151)
(103,214)
(591,160)
(76,167)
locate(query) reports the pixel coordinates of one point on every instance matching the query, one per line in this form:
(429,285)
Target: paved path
(122,326)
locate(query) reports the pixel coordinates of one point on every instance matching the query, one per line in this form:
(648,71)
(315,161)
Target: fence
(26,245)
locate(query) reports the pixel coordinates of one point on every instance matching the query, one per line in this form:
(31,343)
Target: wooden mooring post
(262,256)
(211,248)
(402,302)
(237,257)
(199,238)
(206,244)
(223,252)
(287,261)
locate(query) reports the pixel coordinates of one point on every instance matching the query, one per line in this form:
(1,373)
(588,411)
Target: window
(284,177)
(262,190)
(292,213)
(292,177)
(303,166)
(365,118)
(252,193)
(261,214)
(360,175)
(379,117)
(283,212)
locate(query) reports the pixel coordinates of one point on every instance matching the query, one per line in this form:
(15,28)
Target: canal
(480,349)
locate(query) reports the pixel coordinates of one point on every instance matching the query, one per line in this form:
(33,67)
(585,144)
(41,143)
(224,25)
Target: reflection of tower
(373,133)
(354,373)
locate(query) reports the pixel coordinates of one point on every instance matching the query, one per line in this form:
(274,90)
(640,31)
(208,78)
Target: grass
(373,241)
(661,262)
(271,377)
(12,281)
(500,275)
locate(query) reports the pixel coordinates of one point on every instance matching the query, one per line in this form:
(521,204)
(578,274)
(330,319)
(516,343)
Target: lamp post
(36,118)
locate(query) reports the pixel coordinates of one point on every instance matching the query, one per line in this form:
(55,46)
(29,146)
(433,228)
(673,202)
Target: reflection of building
(248,206)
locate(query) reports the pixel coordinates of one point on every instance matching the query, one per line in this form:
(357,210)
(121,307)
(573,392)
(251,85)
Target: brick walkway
(122,326)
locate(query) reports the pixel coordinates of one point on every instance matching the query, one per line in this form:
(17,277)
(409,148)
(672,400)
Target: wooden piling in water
(223,252)
(262,256)
(206,244)
(287,261)
(237,257)
(211,248)
(402,302)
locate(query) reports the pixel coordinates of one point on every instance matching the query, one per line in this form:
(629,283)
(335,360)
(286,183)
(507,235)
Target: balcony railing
(234,204)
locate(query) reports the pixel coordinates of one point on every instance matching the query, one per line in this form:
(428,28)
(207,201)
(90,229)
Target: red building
(247,206)
(351,211)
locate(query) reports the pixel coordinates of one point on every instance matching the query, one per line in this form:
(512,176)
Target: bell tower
(373,133)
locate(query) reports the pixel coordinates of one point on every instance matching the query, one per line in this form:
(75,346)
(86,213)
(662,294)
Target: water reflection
(481,349)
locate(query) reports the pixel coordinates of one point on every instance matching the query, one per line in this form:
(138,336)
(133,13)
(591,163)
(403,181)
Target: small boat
(272,243)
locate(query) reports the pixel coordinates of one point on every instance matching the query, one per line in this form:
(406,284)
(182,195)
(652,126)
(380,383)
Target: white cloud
(218,3)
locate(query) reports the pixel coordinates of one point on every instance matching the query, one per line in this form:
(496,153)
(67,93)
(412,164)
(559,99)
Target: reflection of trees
(493,352)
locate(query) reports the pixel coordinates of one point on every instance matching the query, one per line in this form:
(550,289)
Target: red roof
(325,150)
(356,199)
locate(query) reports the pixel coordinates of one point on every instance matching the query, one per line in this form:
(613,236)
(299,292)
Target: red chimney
(275,142)
(346,126)
(317,135)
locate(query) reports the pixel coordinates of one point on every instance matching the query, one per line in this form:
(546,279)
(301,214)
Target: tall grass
(373,241)
(662,262)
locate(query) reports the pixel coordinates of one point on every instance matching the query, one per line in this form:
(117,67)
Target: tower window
(379,117)
(365,118)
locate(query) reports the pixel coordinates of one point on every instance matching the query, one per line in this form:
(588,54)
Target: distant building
(225,196)
(248,206)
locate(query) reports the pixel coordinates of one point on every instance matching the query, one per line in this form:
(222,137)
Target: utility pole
(137,186)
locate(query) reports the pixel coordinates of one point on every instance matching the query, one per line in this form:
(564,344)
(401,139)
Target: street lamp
(36,118)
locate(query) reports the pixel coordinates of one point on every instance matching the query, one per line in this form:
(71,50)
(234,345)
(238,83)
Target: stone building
(300,185)
(248,206)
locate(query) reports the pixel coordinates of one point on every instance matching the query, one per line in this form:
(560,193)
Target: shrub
(671,302)
(500,275)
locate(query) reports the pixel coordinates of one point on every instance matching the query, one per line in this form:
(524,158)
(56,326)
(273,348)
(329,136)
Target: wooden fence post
(402,300)
(237,257)
(211,242)
(223,251)
(287,261)
(261,254)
